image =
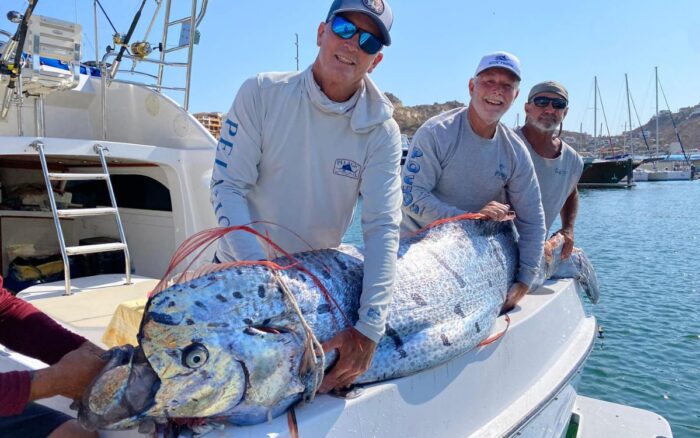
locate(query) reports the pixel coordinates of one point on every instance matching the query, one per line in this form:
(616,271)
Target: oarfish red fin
(197,244)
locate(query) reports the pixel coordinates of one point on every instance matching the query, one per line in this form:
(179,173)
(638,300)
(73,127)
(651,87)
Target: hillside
(410,118)
(688,122)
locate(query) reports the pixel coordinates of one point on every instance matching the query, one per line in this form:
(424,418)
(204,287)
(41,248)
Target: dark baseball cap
(377,10)
(548,87)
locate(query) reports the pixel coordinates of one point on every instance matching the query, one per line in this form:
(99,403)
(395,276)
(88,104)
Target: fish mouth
(125,389)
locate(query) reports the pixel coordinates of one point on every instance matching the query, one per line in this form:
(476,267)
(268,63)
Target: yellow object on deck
(124,326)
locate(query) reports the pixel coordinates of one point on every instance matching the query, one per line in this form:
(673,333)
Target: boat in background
(61,123)
(613,172)
(678,166)
(405,145)
(608,173)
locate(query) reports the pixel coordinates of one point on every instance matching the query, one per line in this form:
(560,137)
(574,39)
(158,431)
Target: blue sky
(437,45)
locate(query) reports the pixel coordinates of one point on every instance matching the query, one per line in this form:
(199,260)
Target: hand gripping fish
(240,342)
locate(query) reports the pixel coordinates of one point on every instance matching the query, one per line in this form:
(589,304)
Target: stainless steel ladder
(187,41)
(59,214)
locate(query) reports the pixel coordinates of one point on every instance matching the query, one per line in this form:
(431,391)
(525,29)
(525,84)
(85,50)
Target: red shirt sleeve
(25,329)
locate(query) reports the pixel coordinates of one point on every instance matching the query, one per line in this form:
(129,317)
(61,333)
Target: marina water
(645,245)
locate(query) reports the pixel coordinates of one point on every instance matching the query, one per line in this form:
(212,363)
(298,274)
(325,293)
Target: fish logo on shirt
(348,168)
(500,172)
(561,172)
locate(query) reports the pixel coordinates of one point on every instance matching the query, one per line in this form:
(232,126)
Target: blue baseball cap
(377,10)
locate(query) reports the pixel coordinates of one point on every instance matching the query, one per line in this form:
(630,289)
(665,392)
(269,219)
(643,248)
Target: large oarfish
(231,344)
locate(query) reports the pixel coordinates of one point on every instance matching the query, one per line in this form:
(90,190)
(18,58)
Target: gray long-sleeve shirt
(290,155)
(450,170)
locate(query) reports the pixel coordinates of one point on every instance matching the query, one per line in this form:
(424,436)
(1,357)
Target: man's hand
(355,352)
(69,376)
(496,211)
(568,242)
(516,293)
(548,249)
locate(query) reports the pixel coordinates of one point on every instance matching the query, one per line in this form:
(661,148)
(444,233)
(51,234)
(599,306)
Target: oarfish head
(202,346)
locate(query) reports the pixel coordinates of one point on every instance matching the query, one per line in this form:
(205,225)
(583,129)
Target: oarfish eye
(195,355)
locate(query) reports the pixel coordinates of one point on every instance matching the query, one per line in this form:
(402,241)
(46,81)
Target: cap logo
(502,58)
(376,6)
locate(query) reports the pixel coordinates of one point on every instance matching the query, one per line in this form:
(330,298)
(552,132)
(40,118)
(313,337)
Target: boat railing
(187,40)
(158,85)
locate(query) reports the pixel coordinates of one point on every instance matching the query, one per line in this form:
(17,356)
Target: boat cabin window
(131,191)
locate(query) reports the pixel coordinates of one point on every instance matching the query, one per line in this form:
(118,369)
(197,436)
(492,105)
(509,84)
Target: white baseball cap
(501,60)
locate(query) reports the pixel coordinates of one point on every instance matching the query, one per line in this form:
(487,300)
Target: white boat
(670,175)
(640,175)
(160,159)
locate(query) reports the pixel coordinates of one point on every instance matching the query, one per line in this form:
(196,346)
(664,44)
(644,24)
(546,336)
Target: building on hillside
(211,121)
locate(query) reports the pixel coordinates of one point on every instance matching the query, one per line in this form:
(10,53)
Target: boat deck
(598,418)
(89,310)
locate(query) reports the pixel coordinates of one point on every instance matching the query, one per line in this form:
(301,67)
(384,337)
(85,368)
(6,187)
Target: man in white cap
(557,165)
(465,160)
(296,150)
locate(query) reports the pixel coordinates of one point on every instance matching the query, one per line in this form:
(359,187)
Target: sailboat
(612,172)
(678,168)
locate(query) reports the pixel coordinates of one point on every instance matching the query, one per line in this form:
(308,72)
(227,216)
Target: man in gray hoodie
(298,148)
(465,160)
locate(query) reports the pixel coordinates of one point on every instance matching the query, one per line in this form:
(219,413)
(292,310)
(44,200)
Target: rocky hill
(410,118)
(687,121)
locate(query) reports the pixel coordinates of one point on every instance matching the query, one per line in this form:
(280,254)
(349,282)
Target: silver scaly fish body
(229,345)
(576,266)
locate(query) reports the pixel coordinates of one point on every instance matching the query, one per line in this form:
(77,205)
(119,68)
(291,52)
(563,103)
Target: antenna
(296,43)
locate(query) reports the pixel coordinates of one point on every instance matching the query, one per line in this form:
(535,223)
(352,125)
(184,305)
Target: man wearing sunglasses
(557,165)
(465,160)
(298,148)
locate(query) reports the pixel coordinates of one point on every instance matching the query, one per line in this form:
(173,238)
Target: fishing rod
(125,43)
(18,41)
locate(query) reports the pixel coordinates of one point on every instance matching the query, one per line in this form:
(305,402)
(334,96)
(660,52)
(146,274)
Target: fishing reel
(138,49)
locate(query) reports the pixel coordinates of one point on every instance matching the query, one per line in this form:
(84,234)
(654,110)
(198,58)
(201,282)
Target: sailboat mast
(580,139)
(629,114)
(656,76)
(595,113)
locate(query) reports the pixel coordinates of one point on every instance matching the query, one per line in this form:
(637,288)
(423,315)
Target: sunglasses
(543,101)
(345,29)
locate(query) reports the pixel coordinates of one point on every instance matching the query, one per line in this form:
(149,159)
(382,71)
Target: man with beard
(296,151)
(557,165)
(465,160)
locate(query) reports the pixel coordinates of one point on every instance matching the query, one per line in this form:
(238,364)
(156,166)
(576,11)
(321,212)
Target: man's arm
(524,195)
(381,215)
(70,376)
(419,176)
(568,218)
(25,329)
(236,171)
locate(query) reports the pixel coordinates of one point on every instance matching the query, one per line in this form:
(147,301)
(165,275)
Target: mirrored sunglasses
(543,101)
(345,29)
